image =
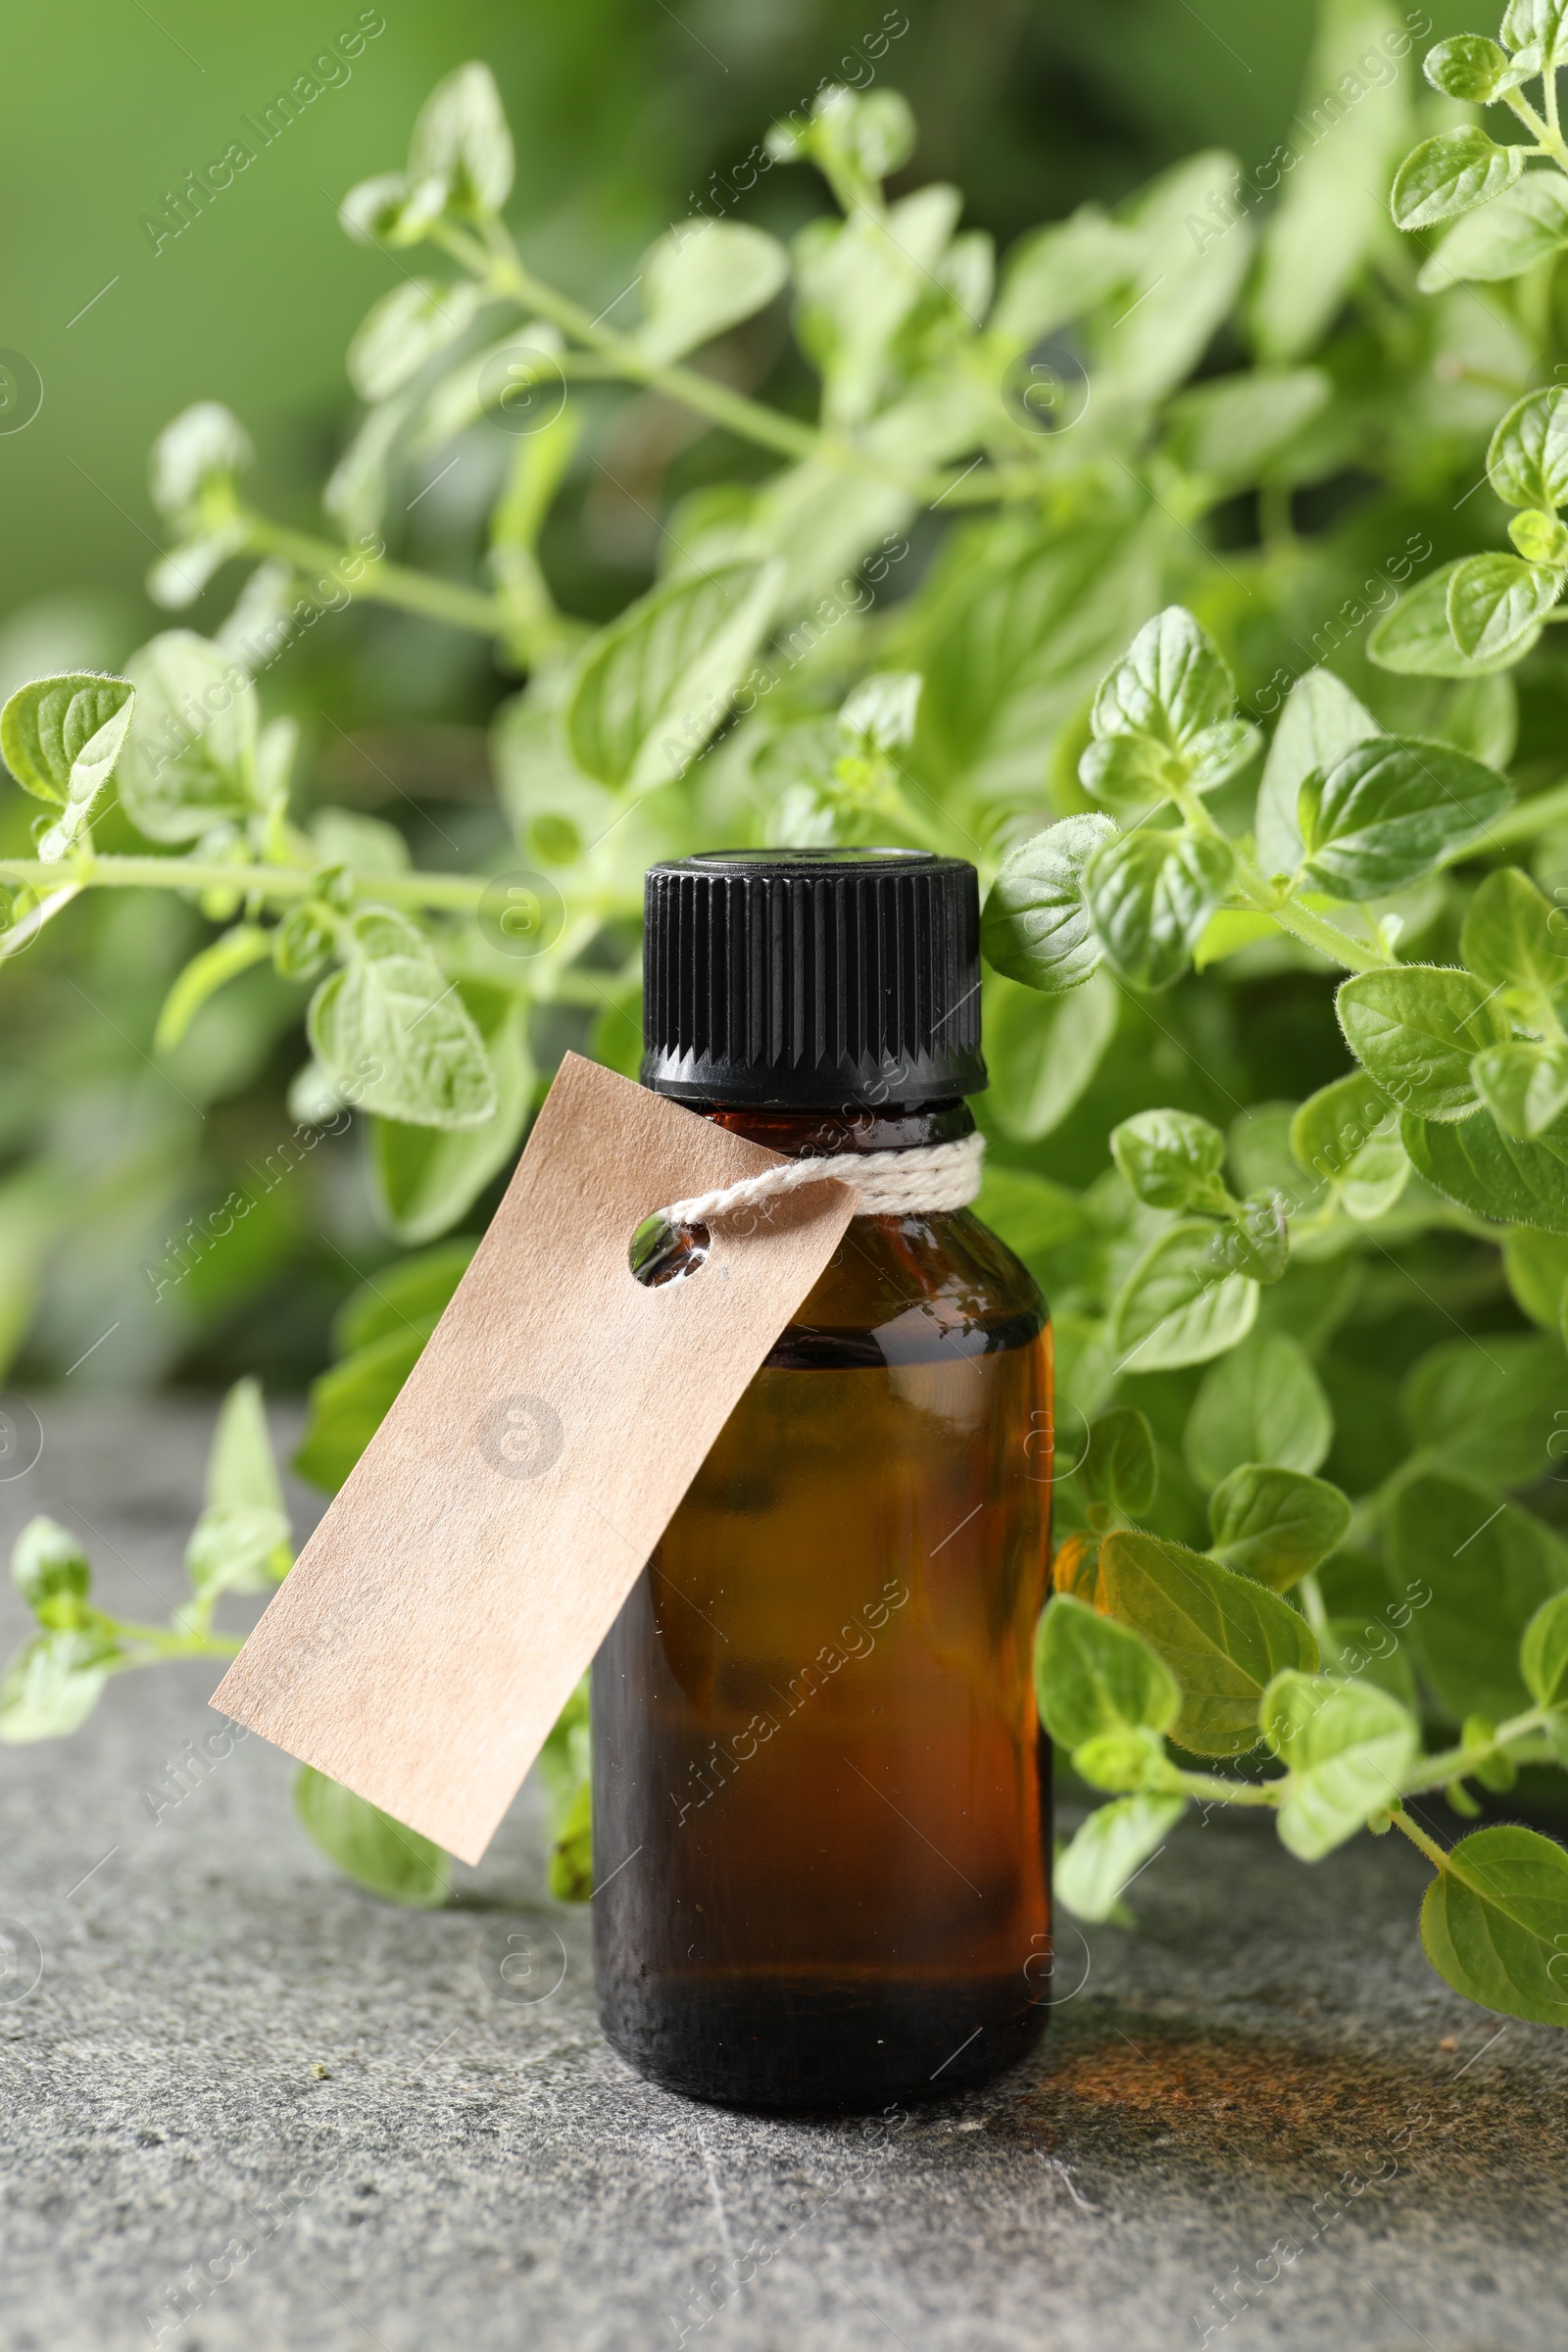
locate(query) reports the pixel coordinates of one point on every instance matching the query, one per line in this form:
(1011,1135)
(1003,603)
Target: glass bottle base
(784,2044)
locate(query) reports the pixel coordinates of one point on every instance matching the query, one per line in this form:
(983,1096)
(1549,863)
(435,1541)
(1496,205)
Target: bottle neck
(814,1134)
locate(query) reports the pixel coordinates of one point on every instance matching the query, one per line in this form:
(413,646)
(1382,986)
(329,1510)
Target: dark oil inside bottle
(820,1803)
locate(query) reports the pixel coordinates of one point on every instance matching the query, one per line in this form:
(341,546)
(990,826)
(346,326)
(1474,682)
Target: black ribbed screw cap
(813,979)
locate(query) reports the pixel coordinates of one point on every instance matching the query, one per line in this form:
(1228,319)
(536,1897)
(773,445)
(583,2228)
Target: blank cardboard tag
(436,1621)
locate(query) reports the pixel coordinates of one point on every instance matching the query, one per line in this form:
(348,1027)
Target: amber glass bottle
(821,1817)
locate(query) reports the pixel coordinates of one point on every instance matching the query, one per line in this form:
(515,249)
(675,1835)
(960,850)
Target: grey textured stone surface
(1267,2065)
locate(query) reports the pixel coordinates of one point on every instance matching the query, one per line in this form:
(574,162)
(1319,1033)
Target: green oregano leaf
(1276,1525)
(1390,810)
(1346,1746)
(1109,1849)
(1035,926)
(1150,896)
(1416,1029)
(1223,1636)
(392,1029)
(1171,1159)
(368,1845)
(1094,1675)
(1450,174)
(1495,1923)
(62,738)
(1496,604)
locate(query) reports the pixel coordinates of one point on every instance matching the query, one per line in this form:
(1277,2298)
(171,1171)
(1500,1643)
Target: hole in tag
(662,1253)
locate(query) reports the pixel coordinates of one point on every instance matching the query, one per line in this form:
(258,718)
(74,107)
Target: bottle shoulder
(914,1290)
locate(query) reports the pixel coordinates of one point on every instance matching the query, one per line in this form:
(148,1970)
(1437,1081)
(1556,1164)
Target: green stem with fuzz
(270,885)
(374,577)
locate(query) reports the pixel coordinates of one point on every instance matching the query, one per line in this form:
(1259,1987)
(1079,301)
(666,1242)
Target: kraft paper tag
(436,1621)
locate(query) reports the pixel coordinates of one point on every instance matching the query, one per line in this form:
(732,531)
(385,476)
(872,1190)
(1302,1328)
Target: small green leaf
(1525,1087)
(656,684)
(368,1845)
(1506,237)
(406,327)
(206,973)
(461,139)
(1347,1135)
(1535,24)
(1543,1654)
(1261,1403)
(1497,604)
(701,278)
(1120,1469)
(204,449)
(1276,1525)
(1528,460)
(1415,638)
(1171,1159)
(48,1564)
(51,1685)
(388,211)
(1171,684)
(1347,1746)
(1320,722)
(1094,1675)
(1223,1636)
(1150,896)
(1108,1851)
(1255,1240)
(1125,1759)
(1536,1267)
(349,1401)
(61,737)
(1179,1305)
(1041,1054)
(1469,67)
(1492,1174)
(1036,925)
(1513,938)
(1488,1407)
(1489,1567)
(1495,1923)
(1390,810)
(1417,1029)
(881,712)
(393,1030)
(1450,174)
(427,1177)
(241,1543)
(1541,538)
(189,759)
(1129,773)
(411,1290)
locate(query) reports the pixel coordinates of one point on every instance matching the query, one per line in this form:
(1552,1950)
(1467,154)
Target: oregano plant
(1085,565)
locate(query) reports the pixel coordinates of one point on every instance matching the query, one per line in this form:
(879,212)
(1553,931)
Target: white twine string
(924,1182)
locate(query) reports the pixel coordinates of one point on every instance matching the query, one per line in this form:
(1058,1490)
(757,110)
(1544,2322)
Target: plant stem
(505,270)
(281,885)
(1548,134)
(163,1646)
(374,577)
(1313,930)
(1418,1836)
(1228,1792)
(1455,1762)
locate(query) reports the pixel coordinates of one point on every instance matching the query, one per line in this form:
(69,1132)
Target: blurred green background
(622,111)
(619,112)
